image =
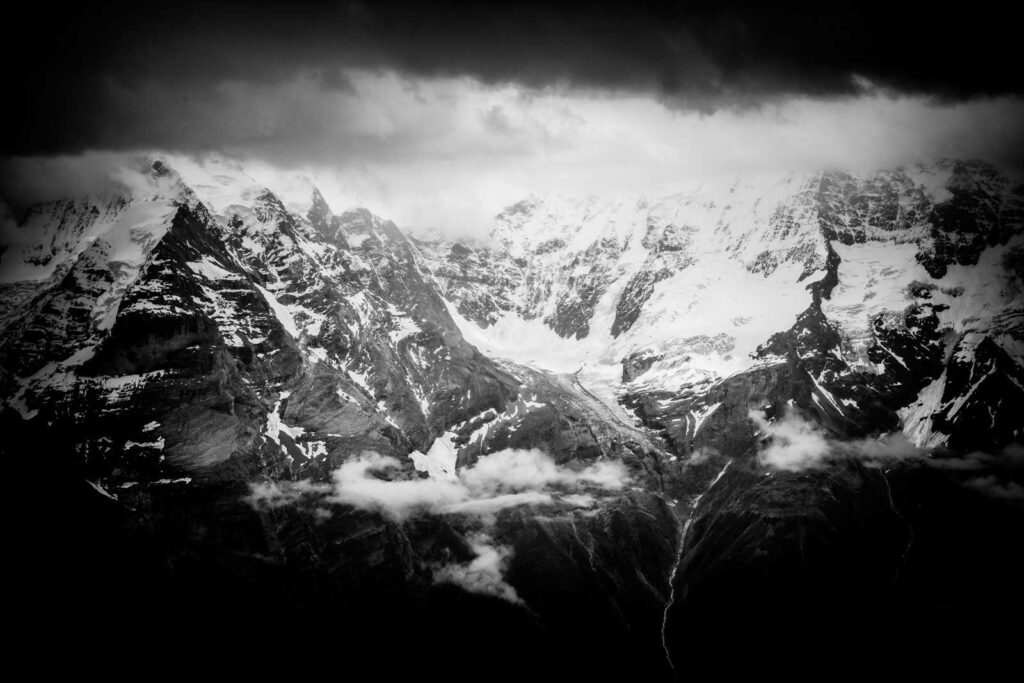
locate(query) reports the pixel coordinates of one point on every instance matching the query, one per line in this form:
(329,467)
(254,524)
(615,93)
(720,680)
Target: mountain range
(779,416)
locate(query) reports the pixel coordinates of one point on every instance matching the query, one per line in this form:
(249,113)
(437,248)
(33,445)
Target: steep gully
(679,558)
(577,382)
(588,388)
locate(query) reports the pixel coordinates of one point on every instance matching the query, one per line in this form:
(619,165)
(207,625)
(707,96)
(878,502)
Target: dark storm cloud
(130,75)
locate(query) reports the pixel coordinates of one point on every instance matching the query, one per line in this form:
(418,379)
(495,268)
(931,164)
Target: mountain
(637,427)
(884,285)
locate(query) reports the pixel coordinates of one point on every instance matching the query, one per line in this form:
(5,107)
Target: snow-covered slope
(688,290)
(163,325)
(882,303)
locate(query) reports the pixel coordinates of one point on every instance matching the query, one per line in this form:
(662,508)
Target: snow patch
(439,460)
(281,312)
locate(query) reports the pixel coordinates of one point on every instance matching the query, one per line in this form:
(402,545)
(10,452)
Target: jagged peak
(360,220)
(539,217)
(319,213)
(218,182)
(318,200)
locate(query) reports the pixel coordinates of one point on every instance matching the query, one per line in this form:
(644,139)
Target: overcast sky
(440,113)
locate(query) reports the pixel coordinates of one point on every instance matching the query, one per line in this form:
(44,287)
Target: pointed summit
(160,169)
(319,213)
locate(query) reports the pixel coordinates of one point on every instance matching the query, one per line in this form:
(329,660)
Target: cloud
(486,507)
(485,574)
(274,494)
(30,180)
(439,119)
(702,455)
(580,500)
(992,486)
(355,484)
(515,469)
(497,481)
(450,152)
(108,68)
(795,444)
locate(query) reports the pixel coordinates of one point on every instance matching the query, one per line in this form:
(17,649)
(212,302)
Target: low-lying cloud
(497,481)
(792,443)
(993,486)
(485,574)
(795,443)
(501,480)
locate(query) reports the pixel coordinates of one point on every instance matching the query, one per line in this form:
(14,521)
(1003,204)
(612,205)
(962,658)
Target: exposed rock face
(879,274)
(247,305)
(195,336)
(637,364)
(208,364)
